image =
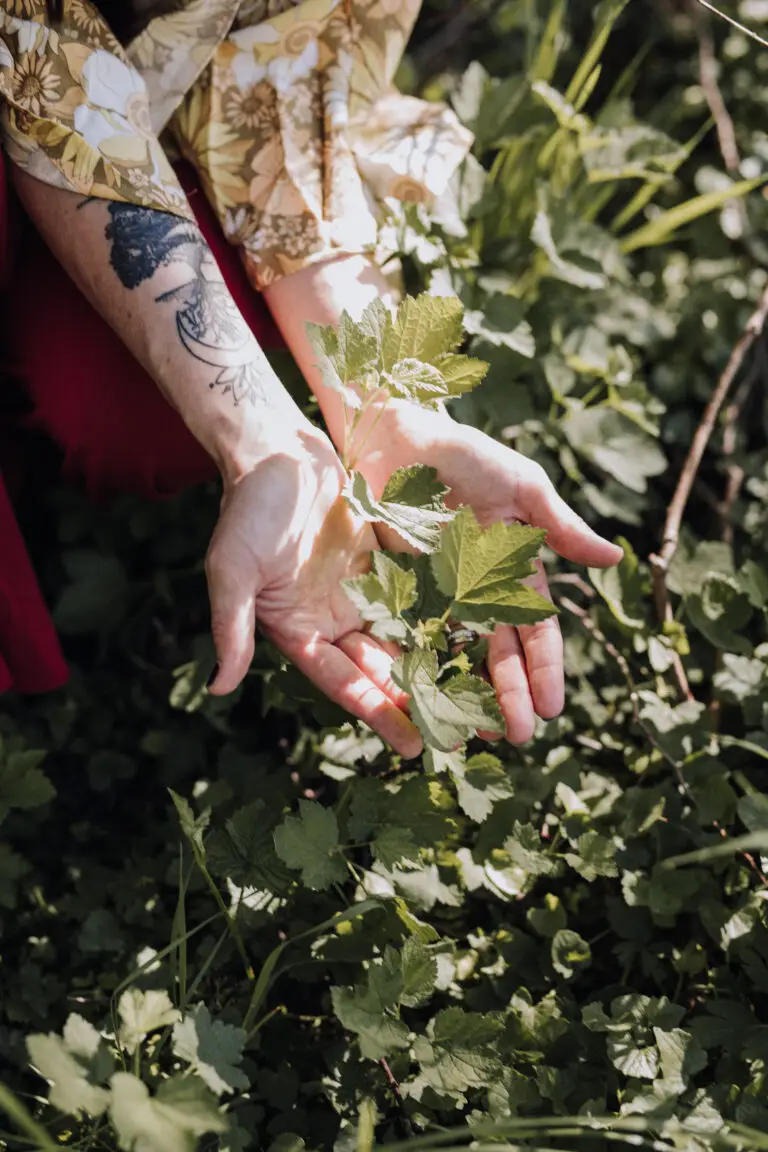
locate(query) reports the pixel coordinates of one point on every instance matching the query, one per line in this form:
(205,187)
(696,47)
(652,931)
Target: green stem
(234,927)
(369,433)
(16,1111)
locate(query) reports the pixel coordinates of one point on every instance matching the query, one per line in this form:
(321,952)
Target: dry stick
(660,561)
(735,474)
(582,615)
(726,133)
(395,1088)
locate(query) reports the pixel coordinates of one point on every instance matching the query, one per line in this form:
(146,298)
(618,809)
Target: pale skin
(285,537)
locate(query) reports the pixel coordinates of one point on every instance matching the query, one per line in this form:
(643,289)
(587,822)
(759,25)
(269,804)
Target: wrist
(243,440)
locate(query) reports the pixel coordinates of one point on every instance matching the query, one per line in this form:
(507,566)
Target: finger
(340,678)
(567,533)
(543,649)
(375,659)
(232,625)
(506,665)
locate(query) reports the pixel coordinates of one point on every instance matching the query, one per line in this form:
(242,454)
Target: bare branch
(660,561)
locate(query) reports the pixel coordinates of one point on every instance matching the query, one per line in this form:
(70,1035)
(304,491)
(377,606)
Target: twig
(726,133)
(660,561)
(575,580)
(594,631)
(395,1087)
(735,474)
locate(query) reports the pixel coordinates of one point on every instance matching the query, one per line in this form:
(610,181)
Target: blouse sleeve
(74,112)
(300,138)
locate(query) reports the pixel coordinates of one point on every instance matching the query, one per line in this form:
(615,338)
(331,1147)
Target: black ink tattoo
(207,321)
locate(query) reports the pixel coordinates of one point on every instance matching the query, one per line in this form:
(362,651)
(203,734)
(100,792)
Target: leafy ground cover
(242,923)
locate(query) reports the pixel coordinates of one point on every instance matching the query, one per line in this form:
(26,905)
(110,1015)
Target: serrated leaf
(458,1051)
(481,570)
(141,1013)
(173,1120)
(309,842)
(411,504)
(451,712)
(383,595)
(480,784)
(66,1063)
(595,856)
(394,845)
(364,1011)
(212,1048)
(243,850)
(526,851)
(462,373)
(419,973)
(425,328)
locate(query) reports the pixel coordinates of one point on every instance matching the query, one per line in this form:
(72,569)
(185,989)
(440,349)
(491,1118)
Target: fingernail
(212,676)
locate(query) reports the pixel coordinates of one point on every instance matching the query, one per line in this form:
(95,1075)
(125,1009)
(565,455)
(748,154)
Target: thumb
(233,601)
(567,533)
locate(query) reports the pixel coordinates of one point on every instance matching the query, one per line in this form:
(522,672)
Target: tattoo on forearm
(207,321)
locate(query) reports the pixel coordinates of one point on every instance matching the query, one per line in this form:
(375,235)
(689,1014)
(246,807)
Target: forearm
(153,278)
(319,294)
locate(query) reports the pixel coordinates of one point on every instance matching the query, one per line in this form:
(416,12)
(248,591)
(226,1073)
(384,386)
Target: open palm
(526,663)
(285,540)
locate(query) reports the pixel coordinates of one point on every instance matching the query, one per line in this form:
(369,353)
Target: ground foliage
(242,923)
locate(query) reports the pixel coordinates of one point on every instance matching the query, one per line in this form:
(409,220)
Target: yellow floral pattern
(285,107)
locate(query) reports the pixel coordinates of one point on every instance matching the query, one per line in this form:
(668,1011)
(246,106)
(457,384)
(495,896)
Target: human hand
(285,540)
(526,663)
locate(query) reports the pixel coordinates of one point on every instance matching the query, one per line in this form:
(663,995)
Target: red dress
(97,403)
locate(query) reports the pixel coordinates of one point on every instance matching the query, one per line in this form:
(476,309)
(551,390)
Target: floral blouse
(285,107)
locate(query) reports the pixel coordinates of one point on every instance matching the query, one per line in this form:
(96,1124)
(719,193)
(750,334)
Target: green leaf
(721,612)
(383,595)
(502,323)
(681,1057)
(367,1010)
(480,784)
(451,712)
(419,973)
(526,851)
(141,1013)
(192,826)
(595,856)
(23,784)
(411,504)
(425,328)
(481,570)
(171,1121)
(67,1063)
(309,842)
(212,1048)
(394,845)
(663,227)
(622,587)
(615,444)
(459,1051)
(243,851)
(570,953)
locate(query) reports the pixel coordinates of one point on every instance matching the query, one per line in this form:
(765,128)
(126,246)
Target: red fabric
(91,397)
